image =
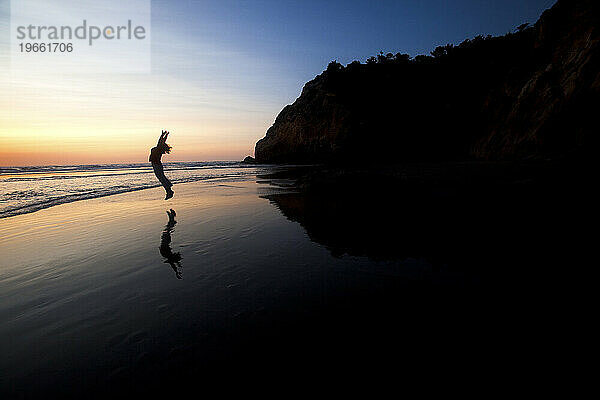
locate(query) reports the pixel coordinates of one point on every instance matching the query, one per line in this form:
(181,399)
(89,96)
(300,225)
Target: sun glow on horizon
(208,96)
(91,119)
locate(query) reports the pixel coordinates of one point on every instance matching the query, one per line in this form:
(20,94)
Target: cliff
(529,94)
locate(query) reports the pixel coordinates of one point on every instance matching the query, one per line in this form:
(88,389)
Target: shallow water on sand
(28,189)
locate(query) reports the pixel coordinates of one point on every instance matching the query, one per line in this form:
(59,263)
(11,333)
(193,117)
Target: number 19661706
(46,47)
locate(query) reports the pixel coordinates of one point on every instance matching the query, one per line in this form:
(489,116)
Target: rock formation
(528,94)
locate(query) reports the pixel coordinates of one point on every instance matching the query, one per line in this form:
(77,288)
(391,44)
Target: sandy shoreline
(271,280)
(87,300)
(76,278)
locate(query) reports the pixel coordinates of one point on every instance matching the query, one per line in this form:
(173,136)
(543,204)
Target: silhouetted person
(155,154)
(173,259)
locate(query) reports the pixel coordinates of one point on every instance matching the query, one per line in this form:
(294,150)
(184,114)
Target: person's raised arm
(161,138)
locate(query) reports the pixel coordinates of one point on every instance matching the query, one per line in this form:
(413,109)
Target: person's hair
(165,148)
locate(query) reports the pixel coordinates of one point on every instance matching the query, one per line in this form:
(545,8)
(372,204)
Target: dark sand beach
(89,304)
(279,282)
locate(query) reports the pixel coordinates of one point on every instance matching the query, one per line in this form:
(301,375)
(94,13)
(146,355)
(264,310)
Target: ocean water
(28,189)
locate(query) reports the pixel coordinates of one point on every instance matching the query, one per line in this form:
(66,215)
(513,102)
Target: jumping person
(155,154)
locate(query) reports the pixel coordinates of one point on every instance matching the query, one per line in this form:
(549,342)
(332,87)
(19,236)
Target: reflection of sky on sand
(82,283)
(82,275)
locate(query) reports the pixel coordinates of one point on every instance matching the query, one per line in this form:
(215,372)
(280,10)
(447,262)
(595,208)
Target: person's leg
(166,182)
(160,174)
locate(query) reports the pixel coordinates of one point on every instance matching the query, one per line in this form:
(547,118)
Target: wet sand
(274,285)
(89,304)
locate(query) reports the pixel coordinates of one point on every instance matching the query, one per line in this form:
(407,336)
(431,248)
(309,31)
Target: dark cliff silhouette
(529,94)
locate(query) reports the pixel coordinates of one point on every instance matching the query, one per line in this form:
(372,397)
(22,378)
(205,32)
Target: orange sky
(116,119)
(210,97)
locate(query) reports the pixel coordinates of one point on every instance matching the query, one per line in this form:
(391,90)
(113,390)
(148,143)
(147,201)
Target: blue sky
(301,37)
(221,72)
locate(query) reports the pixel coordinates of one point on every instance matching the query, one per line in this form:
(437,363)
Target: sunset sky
(221,71)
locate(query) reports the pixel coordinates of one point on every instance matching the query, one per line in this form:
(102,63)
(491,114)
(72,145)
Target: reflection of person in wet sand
(173,259)
(155,154)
